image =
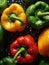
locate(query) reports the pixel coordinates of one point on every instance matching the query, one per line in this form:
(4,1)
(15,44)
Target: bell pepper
(43,43)
(1,62)
(14,18)
(44,62)
(11,61)
(1,37)
(31,49)
(38,14)
(3,5)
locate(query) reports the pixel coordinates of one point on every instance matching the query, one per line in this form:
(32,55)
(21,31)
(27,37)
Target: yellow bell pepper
(43,43)
(14,18)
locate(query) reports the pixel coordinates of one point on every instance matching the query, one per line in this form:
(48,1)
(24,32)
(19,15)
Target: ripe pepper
(43,43)
(31,50)
(38,14)
(14,18)
(3,5)
(11,61)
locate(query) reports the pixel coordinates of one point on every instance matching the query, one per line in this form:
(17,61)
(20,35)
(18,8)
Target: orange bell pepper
(14,18)
(43,43)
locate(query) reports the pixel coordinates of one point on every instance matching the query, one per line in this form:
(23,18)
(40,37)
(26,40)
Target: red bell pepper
(31,49)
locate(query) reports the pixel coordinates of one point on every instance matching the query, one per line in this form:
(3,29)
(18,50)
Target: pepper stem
(42,13)
(13,16)
(22,49)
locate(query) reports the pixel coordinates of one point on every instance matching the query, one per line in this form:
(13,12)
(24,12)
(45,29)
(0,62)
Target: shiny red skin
(32,49)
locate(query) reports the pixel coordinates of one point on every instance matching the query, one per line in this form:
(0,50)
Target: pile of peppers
(24,49)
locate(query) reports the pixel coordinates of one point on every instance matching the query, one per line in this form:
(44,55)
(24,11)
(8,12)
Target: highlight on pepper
(30,51)
(14,18)
(38,14)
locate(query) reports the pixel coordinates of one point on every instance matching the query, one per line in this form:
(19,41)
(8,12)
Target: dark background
(10,37)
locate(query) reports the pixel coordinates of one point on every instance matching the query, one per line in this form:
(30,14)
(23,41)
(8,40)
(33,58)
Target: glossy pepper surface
(38,14)
(11,61)
(3,5)
(43,43)
(14,18)
(28,43)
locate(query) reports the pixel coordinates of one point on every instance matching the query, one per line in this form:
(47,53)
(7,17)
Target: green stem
(20,51)
(14,17)
(42,13)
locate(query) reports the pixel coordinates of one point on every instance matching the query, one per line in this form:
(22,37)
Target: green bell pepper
(1,36)
(44,62)
(1,33)
(11,61)
(1,62)
(38,14)
(3,5)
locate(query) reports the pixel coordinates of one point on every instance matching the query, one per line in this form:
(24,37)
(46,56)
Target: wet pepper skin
(38,14)
(43,43)
(32,50)
(13,23)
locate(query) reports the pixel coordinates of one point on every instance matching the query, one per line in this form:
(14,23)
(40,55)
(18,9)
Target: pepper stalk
(13,16)
(42,13)
(22,49)
(11,61)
